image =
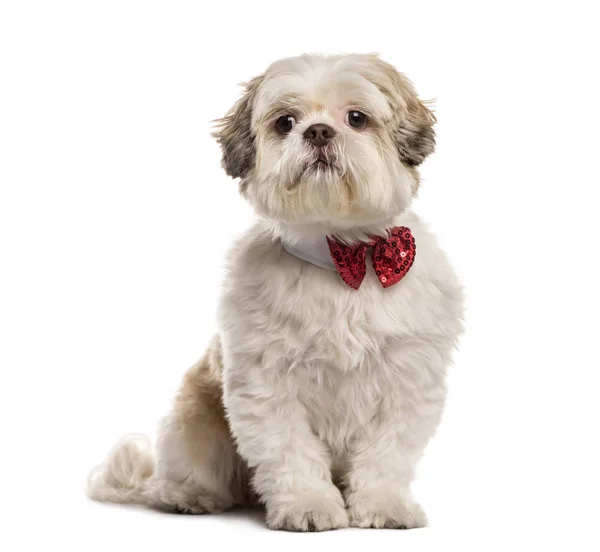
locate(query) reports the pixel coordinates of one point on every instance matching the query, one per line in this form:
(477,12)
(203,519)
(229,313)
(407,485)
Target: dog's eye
(356,119)
(285,123)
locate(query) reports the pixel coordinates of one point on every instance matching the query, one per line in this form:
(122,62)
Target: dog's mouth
(321,163)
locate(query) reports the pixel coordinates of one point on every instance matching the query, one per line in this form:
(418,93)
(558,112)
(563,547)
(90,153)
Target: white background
(115,216)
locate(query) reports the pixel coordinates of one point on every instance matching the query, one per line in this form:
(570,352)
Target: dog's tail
(125,474)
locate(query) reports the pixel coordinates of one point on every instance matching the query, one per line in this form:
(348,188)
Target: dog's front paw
(382,508)
(314,512)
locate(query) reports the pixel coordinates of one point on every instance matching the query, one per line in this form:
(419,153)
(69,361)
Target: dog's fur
(314,399)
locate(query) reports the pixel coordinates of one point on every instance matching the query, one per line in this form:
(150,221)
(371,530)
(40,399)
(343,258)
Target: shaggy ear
(234,134)
(415,137)
(413,121)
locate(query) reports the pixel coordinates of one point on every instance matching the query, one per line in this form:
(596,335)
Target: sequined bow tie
(392,257)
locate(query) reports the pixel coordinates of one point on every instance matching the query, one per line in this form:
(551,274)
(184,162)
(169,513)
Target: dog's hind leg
(197,467)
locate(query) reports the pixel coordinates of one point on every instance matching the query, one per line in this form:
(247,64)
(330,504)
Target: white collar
(313,249)
(309,243)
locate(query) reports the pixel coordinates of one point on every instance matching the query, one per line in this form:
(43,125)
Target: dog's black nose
(319,134)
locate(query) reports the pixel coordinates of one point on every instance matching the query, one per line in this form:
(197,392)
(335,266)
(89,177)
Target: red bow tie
(392,257)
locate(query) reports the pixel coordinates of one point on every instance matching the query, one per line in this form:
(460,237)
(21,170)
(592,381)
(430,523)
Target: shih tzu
(337,321)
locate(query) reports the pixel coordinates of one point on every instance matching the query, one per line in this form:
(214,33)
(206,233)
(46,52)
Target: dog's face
(327,139)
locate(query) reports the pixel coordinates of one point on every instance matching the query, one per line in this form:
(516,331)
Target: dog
(337,321)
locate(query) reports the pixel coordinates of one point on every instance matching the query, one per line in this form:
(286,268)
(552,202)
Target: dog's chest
(339,402)
(345,328)
(343,350)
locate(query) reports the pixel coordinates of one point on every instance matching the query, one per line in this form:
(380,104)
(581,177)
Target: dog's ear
(234,134)
(412,121)
(415,136)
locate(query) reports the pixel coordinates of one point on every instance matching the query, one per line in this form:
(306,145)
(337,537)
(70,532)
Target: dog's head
(327,138)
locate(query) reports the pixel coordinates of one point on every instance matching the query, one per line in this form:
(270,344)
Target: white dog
(327,377)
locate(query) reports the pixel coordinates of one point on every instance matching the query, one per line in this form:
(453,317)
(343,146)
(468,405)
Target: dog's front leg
(382,459)
(377,484)
(291,465)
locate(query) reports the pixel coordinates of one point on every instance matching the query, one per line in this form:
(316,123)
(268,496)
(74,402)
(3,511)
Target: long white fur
(324,387)
(319,376)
